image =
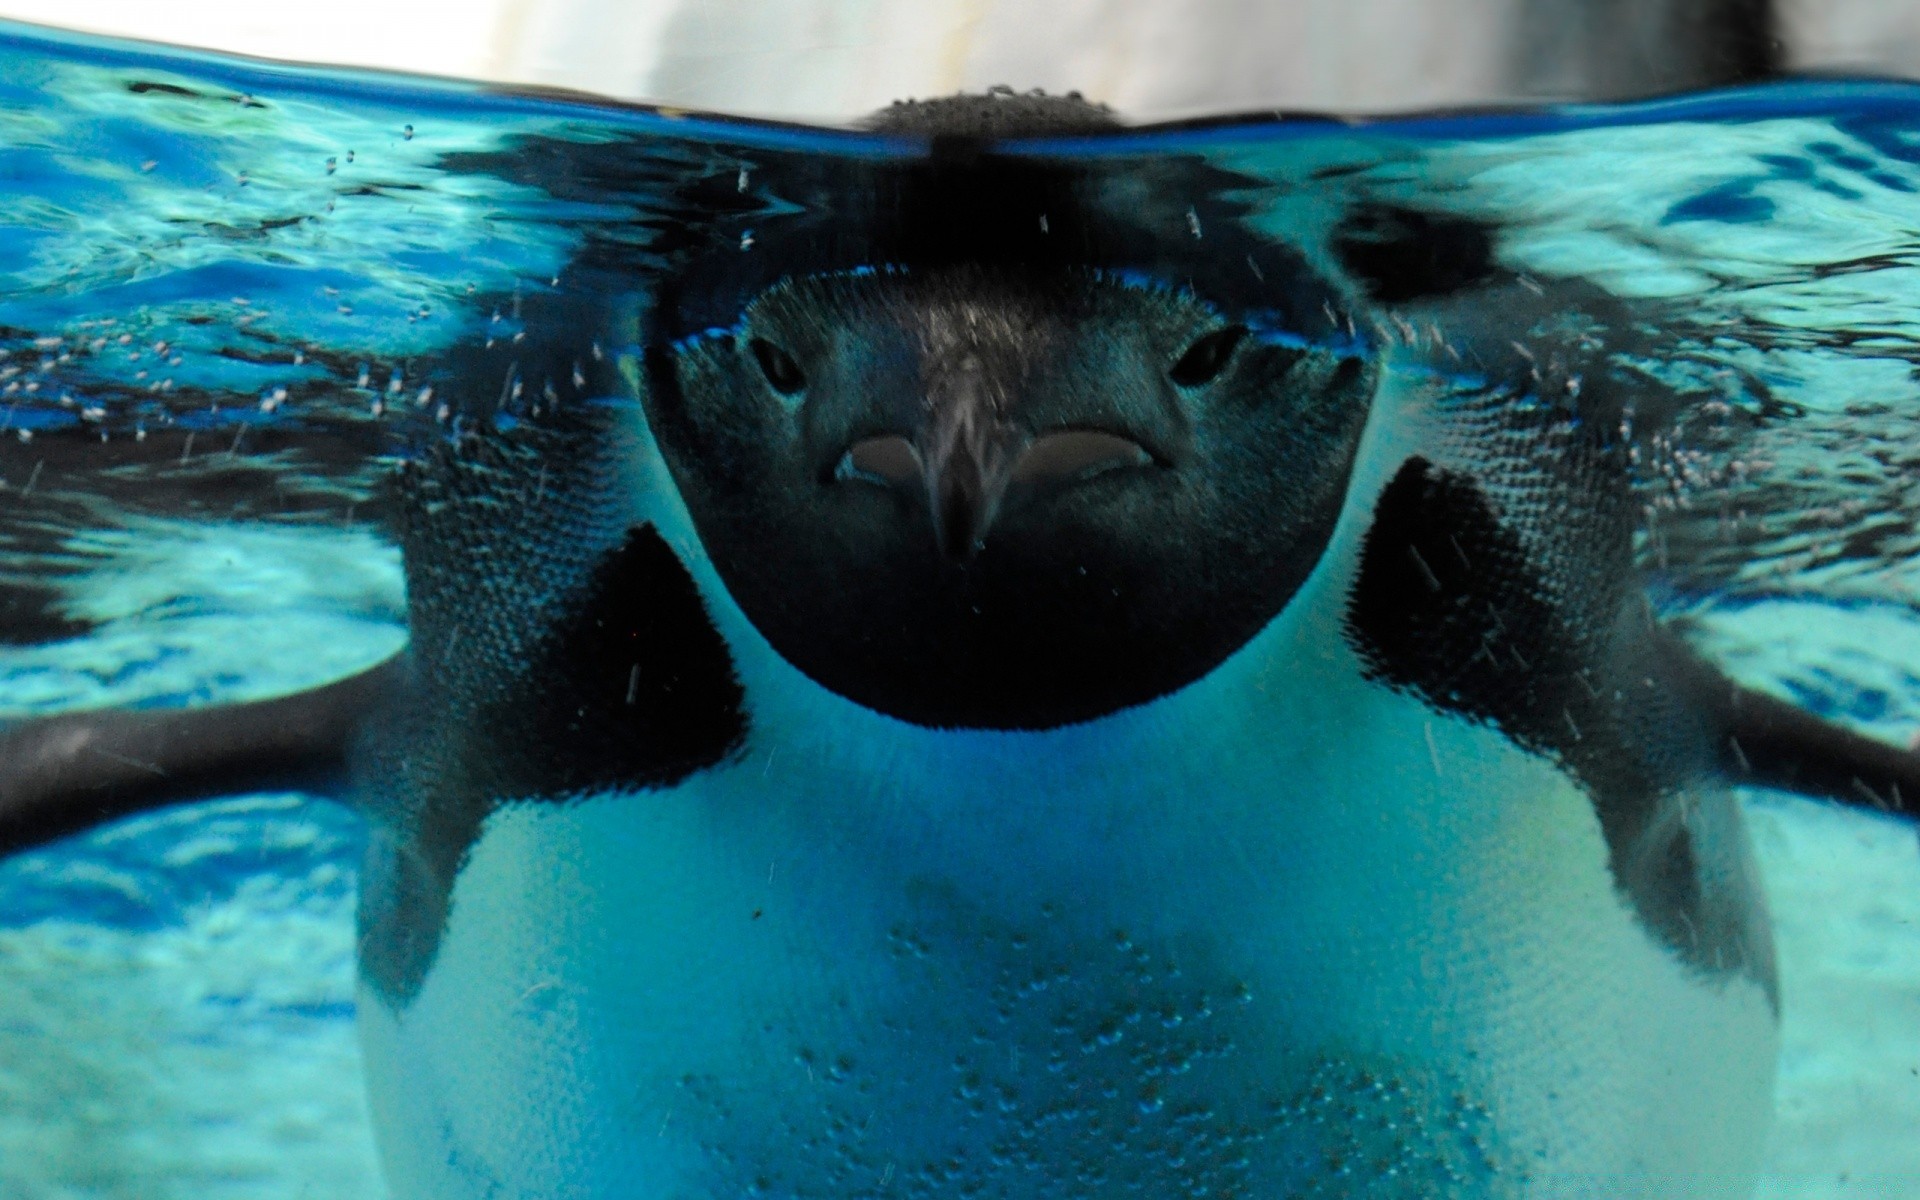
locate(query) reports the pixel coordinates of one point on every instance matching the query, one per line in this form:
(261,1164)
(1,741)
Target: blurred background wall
(833,59)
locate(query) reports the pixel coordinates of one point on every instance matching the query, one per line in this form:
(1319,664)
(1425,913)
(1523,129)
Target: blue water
(231,295)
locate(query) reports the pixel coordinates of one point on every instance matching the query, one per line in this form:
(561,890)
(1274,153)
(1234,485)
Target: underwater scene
(239,301)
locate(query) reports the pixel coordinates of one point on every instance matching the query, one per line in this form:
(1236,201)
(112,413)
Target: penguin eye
(1207,357)
(778,366)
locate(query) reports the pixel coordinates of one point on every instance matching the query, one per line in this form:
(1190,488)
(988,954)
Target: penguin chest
(1171,953)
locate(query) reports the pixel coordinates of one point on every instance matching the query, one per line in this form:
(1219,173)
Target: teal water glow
(232,294)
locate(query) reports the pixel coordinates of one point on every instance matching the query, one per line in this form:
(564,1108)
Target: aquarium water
(233,295)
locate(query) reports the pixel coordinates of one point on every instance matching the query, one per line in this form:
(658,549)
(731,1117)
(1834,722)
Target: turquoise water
(231,296)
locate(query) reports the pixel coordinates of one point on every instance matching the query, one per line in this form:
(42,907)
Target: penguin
(1004,706)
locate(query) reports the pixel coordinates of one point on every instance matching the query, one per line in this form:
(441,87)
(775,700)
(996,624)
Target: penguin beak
(967,450)
(969,459)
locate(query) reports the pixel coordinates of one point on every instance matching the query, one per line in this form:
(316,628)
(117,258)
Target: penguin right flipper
(63,774)
(1769,742)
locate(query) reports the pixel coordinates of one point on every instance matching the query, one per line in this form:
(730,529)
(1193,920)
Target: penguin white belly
(1321,942)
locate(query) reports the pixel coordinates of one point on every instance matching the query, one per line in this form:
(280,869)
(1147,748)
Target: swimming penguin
(1039,709)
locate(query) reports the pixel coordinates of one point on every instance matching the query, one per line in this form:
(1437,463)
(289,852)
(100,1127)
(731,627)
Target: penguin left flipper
(64,774)
(1767,742)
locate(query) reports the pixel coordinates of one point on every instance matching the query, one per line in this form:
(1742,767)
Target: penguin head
(1001,498)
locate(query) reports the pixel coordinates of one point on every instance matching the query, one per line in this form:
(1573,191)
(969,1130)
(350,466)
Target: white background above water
(843,58)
